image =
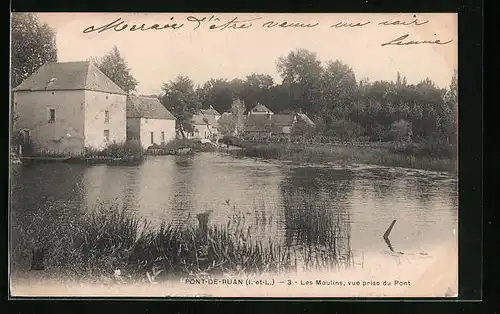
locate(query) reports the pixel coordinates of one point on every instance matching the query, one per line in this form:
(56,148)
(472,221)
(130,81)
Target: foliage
(227,124)
(343,129)
(216,93)
(106,240)
(400,130)
(182,101)
(301,73)
(232,122)
(432,155)
(339,87)
(117,150)
(238,115)
(115,67)
(33,44)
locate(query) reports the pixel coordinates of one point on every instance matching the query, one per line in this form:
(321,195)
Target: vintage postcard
(234,155)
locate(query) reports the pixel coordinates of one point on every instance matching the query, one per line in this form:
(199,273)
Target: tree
(450,124)
(33,45)
(256,89)
(238,114)
(338,86)
(227,125)
(301,72)
(115,67)
(235,121)
(216,93)
(182,100)
(260,81)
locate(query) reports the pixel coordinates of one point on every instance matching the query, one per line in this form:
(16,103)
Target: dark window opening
(26,137)
(106,116)
(52,117)
(152,138)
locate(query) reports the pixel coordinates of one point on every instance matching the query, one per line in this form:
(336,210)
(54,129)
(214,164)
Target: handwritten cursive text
(285,24)
(119,25)
(344,24)
(403,23)
(234,24)
(400,42)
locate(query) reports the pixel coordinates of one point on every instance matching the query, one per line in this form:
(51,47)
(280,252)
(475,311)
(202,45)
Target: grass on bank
(426,156)
(97,243)
(174,146)
(117,150)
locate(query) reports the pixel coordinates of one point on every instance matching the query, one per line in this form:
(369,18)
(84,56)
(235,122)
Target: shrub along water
(117,150)
(427,155)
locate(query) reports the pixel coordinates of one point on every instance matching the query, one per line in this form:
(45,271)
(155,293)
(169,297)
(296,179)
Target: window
(106,135)
(146,120)
(152,138)
(162,136)
(52,115)
(106,116)
(26,136)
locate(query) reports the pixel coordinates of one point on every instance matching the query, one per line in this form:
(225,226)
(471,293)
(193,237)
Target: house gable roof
(260,108)
(205,114)
(225,118)
(210,111)
(82,75)
(306,119)
(147,107)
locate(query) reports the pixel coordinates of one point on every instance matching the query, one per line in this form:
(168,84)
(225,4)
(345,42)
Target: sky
(159,56)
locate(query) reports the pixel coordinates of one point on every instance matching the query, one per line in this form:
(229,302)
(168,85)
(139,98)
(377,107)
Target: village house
(66,107)
(148,121)
(262,121)
(205,124)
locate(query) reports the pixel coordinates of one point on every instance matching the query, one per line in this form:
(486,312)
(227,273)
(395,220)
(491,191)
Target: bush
(231,140)
(430,148)
(399,130)
(344,129)
(117,150)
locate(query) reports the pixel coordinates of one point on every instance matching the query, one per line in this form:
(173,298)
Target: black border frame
(470,142)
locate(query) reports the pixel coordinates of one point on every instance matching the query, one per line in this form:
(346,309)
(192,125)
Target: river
(267,195)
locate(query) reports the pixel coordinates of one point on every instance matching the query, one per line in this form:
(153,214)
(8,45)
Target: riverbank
(182,147)
(416,156)
(110,245)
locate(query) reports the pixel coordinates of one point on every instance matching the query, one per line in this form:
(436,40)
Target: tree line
(329,93)
(331,96)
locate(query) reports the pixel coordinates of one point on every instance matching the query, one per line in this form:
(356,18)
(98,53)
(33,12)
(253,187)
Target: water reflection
(291,205)
(316,210)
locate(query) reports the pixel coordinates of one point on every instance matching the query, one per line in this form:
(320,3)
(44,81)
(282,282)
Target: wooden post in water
(203,224)
(386,235)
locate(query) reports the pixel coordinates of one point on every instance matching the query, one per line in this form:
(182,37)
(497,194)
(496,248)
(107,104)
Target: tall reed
(100,241)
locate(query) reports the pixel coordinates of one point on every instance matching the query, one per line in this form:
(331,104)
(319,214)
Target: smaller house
(211,111)
(259,124)
(205,124)
(148,121)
